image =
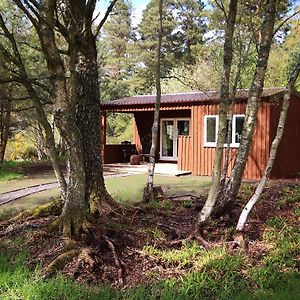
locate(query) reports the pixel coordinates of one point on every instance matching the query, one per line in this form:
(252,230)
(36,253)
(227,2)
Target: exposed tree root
(54,226)
(59,262)
(118,261)
(15,228)
(195,236)
(155,194)
(240,242)
(51,208)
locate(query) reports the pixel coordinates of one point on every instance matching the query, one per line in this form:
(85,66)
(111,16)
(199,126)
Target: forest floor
(131,254)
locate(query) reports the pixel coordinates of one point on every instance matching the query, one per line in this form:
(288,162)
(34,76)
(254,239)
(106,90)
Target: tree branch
(108,11)
(285,21)
(33,20)
(221,6)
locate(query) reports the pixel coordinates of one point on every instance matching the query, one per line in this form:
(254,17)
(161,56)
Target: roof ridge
(196,92)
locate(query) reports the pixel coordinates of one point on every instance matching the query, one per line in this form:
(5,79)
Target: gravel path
(10,196)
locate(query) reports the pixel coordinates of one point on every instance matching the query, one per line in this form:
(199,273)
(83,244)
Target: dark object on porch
(135,159)
(128,149)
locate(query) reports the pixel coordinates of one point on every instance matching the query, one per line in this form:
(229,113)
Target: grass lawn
(126,190)
(129,190)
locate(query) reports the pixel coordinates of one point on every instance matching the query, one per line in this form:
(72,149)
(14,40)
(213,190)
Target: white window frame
(233,144)
(206,143)
(175,137)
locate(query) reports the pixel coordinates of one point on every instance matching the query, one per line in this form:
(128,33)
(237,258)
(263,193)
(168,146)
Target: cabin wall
(287,162)
(203,157)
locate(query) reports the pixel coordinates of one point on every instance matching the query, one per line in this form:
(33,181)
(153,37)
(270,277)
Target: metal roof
(183,98)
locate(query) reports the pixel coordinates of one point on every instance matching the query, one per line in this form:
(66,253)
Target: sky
(138,7)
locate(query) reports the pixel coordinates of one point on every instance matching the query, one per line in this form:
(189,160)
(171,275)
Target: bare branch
(33,20)
(285,21)
(221,6)
(108,11)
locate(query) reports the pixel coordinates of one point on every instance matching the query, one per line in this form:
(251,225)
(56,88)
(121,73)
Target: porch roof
(182,99)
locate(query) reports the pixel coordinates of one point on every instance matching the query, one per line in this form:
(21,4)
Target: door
(169,131)
(167,139)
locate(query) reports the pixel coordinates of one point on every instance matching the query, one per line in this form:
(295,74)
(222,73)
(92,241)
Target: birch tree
(273,151)
(223,110)
(254,99)
(149,189)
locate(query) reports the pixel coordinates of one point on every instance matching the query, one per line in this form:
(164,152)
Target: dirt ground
(114,249)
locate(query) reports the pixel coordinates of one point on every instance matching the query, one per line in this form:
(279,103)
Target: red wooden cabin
(188,131)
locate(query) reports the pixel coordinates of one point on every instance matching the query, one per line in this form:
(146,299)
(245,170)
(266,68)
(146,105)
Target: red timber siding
(136,137)
(202,158)
(287,163)
(184,153)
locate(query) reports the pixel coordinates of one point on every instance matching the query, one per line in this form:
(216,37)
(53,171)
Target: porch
(165,169)
(174,142)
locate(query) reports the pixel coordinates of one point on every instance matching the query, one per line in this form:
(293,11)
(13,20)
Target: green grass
(129,189)
(8,171)
(213,274)
(126,190)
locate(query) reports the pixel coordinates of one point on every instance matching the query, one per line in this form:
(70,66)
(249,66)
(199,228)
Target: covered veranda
(173,135)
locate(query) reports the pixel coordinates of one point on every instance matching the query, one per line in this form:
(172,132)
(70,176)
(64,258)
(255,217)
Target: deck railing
(184,153)
(117,153)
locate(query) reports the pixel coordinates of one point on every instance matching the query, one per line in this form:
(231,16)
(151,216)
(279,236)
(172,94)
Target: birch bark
(273,151)
(223,109)
(254,100)
(149,190)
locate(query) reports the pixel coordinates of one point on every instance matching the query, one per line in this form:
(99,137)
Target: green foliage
(17,281)
(279,266)
(119,128)
(8,171)
(163,204)
(289,196)
(275,222)
(21,147)
(8,213)
(183,30)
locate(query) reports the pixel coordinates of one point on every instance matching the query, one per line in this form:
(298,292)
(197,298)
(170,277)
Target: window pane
(211,129)
(183,127)
(239,123)
(167,138)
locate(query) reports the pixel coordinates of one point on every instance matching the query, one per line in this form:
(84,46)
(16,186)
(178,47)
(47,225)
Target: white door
(169,131)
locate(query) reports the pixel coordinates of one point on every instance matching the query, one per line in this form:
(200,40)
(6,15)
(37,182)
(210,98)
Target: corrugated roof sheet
(186,97)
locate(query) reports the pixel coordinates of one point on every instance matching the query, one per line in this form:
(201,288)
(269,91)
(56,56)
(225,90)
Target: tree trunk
(280,129)
(149,190)
(41,116)
(254,100)
(75,206)
(41,148)
(5,118)
(223,108)
(85,89)
(241,63)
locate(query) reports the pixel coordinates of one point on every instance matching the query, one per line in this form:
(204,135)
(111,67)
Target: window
(211,130)
(237,129)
